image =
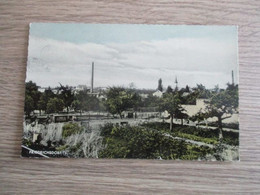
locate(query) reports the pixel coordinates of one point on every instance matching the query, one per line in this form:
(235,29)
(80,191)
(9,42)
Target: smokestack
(92,78)
(176,81)
(233,78)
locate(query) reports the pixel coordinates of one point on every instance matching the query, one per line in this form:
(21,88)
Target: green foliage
(231,138)
(27,142)
(209,136)
(32,95)
(200,116)
(149,141)
(140,142)
(116,148)
(70,129)
(106,129)
(150,101)
(169,89)
(45,97)
(28,104)
(199,91)
(120,99)
(172,103)
(54,105)
(222,104)
(197,152)
(66,95)
(76,104)
(83,101)
(197,138)
(201,132)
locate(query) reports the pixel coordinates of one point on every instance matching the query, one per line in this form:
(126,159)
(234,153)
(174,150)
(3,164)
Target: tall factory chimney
(92,78)
(233,78)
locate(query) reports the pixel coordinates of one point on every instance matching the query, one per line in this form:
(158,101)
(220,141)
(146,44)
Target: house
(144,95)
(158,93)
(192,110)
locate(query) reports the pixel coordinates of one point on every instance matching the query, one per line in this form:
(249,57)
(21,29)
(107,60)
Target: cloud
(193,60)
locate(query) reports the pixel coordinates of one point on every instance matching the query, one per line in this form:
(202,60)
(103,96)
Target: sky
(125,54)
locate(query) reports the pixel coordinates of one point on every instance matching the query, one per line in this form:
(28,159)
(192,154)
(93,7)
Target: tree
(54,105)
(160,87)
(66,95)
(150,101)
(201,92)
(76,104)
(200,116)
(172,104)
(83,101)
(45,97)
(180,114)
(31,90)
(119,100)
(222,105)
(187,89)
(135,100)
(28,105)
(169,89)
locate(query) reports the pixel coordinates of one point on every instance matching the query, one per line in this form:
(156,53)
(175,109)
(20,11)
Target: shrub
(106,129)
(140,142)
(70,129)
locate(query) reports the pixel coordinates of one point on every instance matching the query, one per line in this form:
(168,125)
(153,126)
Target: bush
(231,138)
(70,129)
(197,138)
(209,136)
(197,152)
(106,129)
(116,148)
(140,142)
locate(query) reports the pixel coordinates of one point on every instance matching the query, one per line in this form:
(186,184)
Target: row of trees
(221,103)
(51,102)
(118,99)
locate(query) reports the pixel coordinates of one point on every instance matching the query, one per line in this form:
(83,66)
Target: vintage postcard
(132,91)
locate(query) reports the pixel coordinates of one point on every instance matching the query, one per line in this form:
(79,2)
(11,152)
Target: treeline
(221,103)
(64,98)
(115,100)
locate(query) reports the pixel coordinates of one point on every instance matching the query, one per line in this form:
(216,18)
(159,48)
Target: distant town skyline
(139,54)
